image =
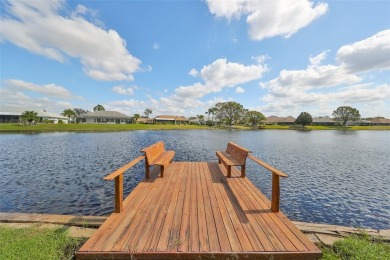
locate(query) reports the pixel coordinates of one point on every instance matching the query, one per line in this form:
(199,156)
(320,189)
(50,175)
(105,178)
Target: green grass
(93,127)
(37,243)
(359,247)
(128,127)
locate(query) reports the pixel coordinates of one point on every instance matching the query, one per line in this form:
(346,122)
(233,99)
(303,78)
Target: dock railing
(118,177)
(275,200)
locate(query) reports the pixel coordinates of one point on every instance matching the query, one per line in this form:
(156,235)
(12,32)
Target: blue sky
(181,57)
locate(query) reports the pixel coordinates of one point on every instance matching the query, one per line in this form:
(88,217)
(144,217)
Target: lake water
(335,177)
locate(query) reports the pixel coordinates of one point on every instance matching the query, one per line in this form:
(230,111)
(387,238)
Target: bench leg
(229,171)
(162,171)
(243,171)
(147,169)
(219,161)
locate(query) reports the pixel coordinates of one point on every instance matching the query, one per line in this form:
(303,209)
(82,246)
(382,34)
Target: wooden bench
(156,155)
(235,155)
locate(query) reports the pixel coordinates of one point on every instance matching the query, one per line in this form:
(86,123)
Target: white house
(104,117)
(13,115)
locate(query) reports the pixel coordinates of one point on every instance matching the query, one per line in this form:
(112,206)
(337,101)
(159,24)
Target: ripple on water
(334,177)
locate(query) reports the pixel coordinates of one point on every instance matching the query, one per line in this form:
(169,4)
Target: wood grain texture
(195,211)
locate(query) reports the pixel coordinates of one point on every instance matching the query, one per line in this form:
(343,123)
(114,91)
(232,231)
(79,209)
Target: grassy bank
(357,247)
(36,243)
(128,127)
(93,127)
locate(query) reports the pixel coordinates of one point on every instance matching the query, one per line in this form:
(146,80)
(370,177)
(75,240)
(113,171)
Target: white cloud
(156,46)
(270,18)
(260,59)
(39,27)
(123,91)
(316,61)
(322,88)
(51,90)
(222,73)
(240,90)
(372,53)
(193,73)
(12,99)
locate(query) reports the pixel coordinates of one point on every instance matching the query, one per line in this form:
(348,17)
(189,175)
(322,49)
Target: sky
(279,57)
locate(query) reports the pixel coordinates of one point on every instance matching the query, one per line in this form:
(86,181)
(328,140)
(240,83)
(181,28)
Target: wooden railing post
(275,192)
(119,193)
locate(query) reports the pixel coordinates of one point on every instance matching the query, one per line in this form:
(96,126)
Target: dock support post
(275,192)
(118,193)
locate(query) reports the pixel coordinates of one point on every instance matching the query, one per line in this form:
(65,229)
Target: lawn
(359,247)
(36,243)
(128,127)
(93,127)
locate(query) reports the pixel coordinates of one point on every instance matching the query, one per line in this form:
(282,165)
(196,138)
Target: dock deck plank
(194,211)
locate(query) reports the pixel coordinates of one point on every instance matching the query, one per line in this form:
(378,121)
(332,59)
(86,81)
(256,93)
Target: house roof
(277,119)
(380,121)
(168,117)
(105,114)
(18,111)
(323,120)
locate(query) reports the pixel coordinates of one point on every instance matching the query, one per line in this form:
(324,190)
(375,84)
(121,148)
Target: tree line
(229,113)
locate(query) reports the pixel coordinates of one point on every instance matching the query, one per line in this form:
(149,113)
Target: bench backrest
(239,153)
(153,151)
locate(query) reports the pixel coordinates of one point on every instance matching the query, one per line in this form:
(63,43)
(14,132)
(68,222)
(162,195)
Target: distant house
(325,121)
(104,117)
(166,119)
(145,120)
(276,120)
(380,121)
(13,115)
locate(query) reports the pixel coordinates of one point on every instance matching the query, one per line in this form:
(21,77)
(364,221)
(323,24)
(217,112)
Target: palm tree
(148,112)
(136,116)
(200,118)
(29,117)
(99,108)
(212,112)
(70,113)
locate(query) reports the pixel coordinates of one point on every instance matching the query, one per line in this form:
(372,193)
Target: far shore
(42,128)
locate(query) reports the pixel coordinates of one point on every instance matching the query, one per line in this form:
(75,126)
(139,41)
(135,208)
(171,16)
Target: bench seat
(164,159)
(235,155)
(228,159)
(156,155)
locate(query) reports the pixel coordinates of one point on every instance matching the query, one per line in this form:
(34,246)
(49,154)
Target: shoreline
(85,226)
(104,128)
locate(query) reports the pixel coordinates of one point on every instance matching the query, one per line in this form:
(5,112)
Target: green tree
(230,112)
(148,112)
(346,113)
(200,118)
(303,119)
(80,111)
(70,114)
(29,117)
(211,111)
(99,107)
(135,117)
(254,117)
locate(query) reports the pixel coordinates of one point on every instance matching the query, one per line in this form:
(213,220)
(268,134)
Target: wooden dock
(195,212)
